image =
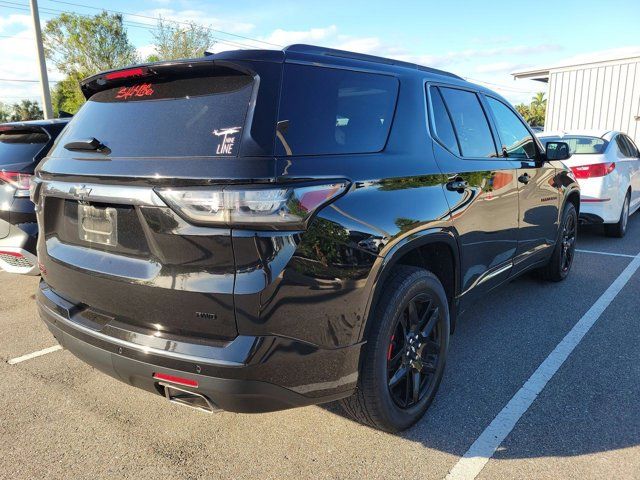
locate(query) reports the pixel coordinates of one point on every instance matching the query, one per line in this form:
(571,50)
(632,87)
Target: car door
(633,156)
(539,197)
(480,187)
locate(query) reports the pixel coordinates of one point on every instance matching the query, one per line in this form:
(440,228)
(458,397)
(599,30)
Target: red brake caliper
(390,347)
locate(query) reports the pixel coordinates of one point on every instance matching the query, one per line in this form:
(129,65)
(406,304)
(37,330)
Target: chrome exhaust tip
(188,398)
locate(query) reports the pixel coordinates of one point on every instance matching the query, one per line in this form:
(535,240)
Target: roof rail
(312,49)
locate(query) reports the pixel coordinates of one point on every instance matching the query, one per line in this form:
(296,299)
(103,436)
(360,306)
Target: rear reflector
(129,73)
(187,382)
(592,171)
(11,254)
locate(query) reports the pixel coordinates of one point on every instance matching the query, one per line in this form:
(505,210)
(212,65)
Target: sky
(481,41)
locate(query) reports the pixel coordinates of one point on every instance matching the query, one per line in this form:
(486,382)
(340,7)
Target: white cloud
(145,50)
(498,67)
(19,62)
(195,16)
(314,35)
(13,20)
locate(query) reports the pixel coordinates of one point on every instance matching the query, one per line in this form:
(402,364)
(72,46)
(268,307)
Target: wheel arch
(436,250)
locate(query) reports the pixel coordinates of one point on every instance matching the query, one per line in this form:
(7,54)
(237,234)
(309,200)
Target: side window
(633,150)
(470,123)
(622,146)
(517,142)
(326,111)
(442,122)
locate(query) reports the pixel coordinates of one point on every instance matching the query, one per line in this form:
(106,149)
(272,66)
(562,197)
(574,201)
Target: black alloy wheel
(569,233)
(414,352)
(404,358)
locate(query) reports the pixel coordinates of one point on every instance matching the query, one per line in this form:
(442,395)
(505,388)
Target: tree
(173,41)
(4,113)
(67,96)
(535,112)
(80,46)
(26,110)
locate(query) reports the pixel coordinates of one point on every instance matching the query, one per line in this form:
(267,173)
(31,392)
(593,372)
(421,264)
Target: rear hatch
(110,244)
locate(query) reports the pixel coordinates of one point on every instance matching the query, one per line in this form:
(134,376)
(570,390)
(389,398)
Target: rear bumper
(18,249)
(247,374)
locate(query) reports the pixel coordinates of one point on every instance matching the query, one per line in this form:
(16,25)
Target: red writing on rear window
(142,90)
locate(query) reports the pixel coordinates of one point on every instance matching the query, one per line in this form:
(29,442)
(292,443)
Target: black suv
(22,146)
(259,230)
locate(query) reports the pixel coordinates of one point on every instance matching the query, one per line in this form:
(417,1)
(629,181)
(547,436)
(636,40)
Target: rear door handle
(524,178)
(457,185)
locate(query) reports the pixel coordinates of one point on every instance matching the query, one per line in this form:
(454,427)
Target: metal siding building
(599,95)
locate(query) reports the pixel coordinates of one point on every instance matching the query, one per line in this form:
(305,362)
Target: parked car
(260,230)
(607,166)
(22,146)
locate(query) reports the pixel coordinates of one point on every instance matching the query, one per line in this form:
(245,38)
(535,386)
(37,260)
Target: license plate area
(98,225)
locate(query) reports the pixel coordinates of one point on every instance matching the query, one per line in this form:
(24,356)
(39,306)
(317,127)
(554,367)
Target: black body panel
(288,308)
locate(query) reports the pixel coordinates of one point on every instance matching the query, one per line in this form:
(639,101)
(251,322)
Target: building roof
(541,74)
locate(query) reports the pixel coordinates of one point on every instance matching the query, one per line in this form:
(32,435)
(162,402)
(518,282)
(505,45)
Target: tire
(619,230)
(563,254)
(391,348)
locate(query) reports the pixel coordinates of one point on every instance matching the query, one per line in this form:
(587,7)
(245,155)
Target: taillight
(286,208)
(595,170)
(187,382)
(18,181)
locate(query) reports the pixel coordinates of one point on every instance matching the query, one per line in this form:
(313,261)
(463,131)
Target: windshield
(20,146)
(580,145)
(175,117)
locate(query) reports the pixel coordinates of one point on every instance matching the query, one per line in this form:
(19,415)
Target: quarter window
(442,123)
(470,123)
(334,111)
(516,140)
(622,146)
(633,147)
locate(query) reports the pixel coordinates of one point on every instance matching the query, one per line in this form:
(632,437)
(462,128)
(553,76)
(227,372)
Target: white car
(607,166)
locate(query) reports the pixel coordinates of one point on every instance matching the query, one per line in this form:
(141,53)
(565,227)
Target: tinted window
(516,140)
(20,147)
(442,123)
(330,111)
(470,122)
(580,145)
(622,146)
(198,116)
(632,147)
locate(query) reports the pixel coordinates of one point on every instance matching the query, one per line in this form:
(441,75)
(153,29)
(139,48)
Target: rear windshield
(198,116)
(580,145)
(334,111)
(20,147)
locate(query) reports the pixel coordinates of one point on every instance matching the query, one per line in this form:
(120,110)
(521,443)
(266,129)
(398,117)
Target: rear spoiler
(236,60)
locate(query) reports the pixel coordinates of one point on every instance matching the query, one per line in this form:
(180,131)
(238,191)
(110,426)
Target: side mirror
(557,151)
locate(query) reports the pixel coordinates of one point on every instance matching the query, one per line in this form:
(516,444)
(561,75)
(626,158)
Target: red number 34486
(141,90)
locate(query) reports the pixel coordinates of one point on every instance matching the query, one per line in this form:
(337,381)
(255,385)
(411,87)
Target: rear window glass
(199,116)
(334,111)
(19,147)
(580,145)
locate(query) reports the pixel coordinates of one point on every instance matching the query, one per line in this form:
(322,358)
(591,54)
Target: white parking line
(29,356)
(474,460)
(606,253)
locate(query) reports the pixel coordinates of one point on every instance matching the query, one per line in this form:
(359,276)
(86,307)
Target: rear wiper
(88,145)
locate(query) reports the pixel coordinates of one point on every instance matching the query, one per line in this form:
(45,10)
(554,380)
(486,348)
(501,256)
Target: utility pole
(44,78)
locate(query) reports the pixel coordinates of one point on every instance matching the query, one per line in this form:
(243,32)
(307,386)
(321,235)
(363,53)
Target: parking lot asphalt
(62,419)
